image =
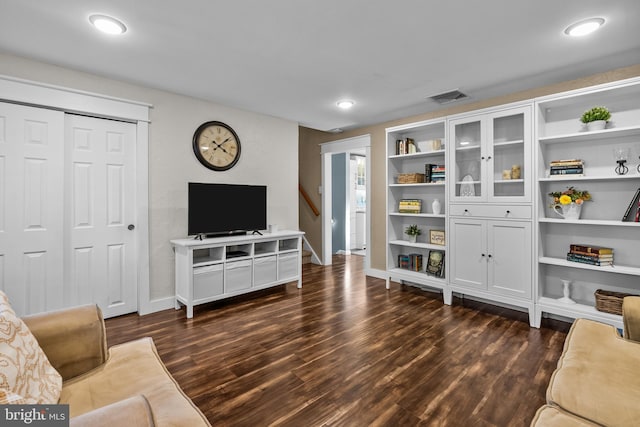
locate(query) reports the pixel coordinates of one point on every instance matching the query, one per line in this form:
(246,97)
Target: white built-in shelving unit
(397,241)
(560,135)
(490,210)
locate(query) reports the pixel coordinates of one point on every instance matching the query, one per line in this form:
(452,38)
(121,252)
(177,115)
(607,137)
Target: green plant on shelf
(413,230)
(595,113)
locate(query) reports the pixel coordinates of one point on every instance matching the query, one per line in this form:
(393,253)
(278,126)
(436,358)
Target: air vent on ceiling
(444,98)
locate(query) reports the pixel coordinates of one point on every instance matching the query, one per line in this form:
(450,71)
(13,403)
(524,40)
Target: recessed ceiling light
(345,104)
(585,27)
(107,24)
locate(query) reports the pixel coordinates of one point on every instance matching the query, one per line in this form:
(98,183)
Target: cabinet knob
(482,254)
(482,158)
(466,211)
(489,255)
(489,158)
(508,212)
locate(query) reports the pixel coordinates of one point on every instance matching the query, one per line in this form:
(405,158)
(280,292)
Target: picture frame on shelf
(435,263)
(437,237)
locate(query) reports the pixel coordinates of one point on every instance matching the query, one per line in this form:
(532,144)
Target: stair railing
(306,197)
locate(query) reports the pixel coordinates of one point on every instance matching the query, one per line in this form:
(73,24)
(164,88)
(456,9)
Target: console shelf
(212,269)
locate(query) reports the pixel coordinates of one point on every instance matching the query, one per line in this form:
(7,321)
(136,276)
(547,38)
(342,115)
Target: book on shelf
(586,260)
(632,209)
(434,172)
(435,263)
(562,167)
(568,171)
(573,167)
(405,146)
(588,255)
(568,162)
(413,206)
(592,249)
(411,262)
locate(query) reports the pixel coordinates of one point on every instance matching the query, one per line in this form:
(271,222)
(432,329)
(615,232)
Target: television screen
(226,208)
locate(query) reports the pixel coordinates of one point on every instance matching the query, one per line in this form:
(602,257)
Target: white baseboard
(157,305)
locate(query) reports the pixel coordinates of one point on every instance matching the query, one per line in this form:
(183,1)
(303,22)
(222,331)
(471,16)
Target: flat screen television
(224,209)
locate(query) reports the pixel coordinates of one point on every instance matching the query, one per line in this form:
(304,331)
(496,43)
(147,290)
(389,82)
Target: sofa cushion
(597,375)
(132,412)
(550,416)
(25,369)
(131,369)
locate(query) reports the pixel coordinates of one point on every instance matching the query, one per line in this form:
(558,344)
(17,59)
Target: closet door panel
(31,207)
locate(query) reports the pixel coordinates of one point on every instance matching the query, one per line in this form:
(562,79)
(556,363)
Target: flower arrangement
(413,230)
(570,195)
(596,113)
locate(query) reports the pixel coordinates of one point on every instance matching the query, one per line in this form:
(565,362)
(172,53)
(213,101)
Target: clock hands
(220,145)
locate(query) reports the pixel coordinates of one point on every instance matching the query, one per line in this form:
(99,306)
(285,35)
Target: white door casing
(100,253)
(31,207)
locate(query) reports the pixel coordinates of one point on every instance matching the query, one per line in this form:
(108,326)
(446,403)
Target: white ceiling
(295,58)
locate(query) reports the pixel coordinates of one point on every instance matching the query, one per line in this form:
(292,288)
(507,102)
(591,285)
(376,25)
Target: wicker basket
(410,178)
(610,302)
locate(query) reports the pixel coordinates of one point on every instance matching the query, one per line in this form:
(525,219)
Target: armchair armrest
(73,339)
(631,318)
(132,412)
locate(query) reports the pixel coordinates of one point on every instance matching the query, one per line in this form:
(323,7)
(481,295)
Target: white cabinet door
(509,258)
(468,252)
(31,181)
(101,255)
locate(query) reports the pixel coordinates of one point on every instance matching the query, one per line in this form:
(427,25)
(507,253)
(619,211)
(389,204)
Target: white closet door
(31,206)
(101,253)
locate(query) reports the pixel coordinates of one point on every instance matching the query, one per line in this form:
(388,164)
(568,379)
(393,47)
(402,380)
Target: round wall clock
(216,145)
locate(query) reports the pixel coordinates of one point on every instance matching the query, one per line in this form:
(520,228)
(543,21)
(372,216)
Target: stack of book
(434,173)
(411,262)
(411,206)
(593,255)
(405,146)
(573,167)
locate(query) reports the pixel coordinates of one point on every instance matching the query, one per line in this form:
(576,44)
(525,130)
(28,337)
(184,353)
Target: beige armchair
(597,382)
(126,384)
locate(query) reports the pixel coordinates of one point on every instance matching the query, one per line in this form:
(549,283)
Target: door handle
(131,227)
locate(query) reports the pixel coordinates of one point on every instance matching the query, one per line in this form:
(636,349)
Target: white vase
(413,238)
(435,206)
(596,125)
(570,211)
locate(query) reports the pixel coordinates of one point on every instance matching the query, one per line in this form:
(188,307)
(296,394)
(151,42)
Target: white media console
(216,268)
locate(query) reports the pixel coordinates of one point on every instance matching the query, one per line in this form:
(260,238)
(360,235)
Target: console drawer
(491,211)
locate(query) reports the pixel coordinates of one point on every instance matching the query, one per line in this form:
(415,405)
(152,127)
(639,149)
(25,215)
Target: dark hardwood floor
(344,351)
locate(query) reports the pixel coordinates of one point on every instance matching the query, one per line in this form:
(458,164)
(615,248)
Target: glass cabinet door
(468,159)
(508,155)
(490,157)
(509,139)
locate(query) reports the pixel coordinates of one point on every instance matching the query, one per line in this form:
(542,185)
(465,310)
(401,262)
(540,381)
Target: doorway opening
(346,198)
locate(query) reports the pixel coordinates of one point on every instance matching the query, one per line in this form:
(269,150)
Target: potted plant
(596,118)
(568,203)
(413,232)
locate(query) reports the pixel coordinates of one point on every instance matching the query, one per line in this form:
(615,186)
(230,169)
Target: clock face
(216,146)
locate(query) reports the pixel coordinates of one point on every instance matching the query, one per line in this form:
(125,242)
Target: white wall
(268,144)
